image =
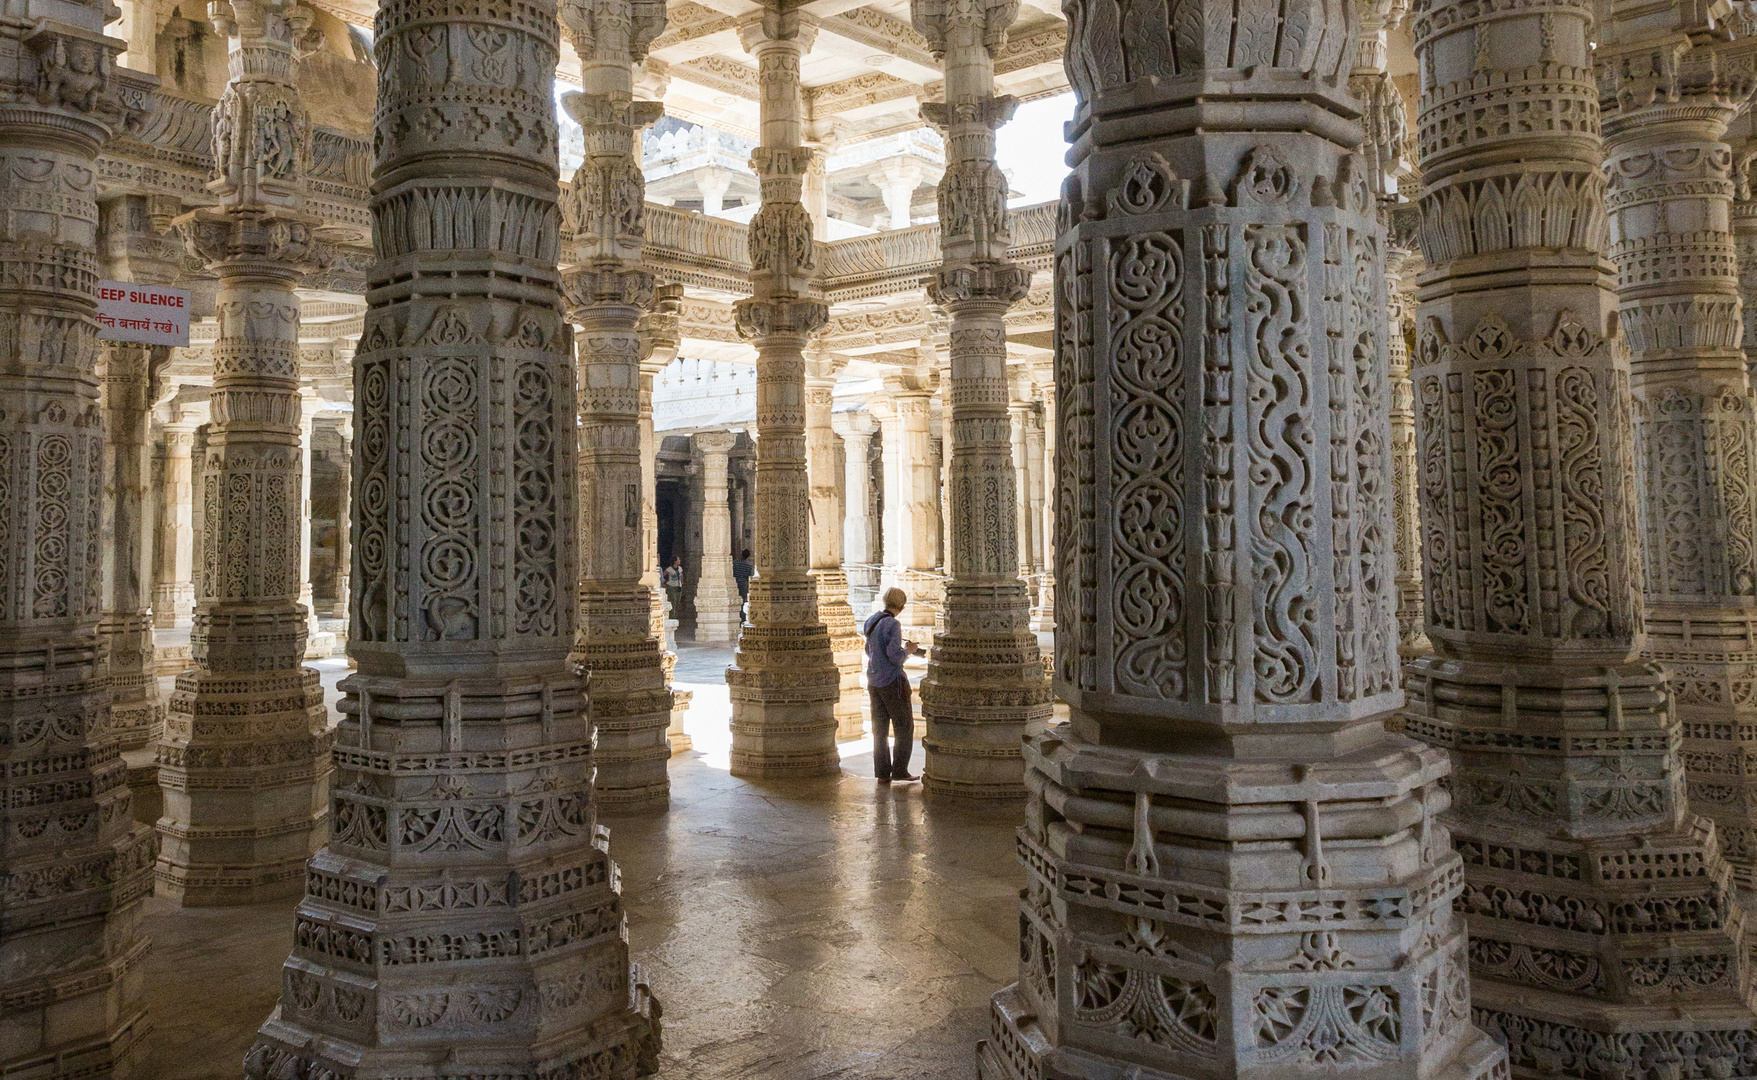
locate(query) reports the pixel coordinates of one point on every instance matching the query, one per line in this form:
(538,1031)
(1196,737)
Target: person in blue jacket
(888,689)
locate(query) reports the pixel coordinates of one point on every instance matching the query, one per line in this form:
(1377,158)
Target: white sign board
(148,314)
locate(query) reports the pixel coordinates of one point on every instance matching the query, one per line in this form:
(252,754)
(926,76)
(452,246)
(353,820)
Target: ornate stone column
(1018,424)
(1043,612)
(784,680)
(1744,224)
(309,406)
(245,761)
(607,293)
(127,376)
(1412,638)
(918,512)
(846,644)
(985,688)
(1670,202)
(661,331)
(465,917)
(1604,938)
(75,865)
(716,594)
(1232,868)
(344,496)
(856,430)
(174,584)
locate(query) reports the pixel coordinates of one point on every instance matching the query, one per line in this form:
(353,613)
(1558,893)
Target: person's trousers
(892,712)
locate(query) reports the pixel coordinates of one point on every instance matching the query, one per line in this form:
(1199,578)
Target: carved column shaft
(784,681)
(465,915)
(76,867)
(174,584)
(717,605)
(986,688)
(1043,614)
(309,404)
(1225,635)
(344,499)
(245,759)
(827,508)
(137,715)
(1568,795)
(1670,198)
(607,292)
(1412,638)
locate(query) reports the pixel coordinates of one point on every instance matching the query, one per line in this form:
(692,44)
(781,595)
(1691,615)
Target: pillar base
(785,686)
(680,739)
(137,724)
(846,646)
(80,1021)
(717,617)
(464,918)
(137,715)
(986,692)
(1711,659)
(630,708)
(1149,951)
(244,767)
(1602,916)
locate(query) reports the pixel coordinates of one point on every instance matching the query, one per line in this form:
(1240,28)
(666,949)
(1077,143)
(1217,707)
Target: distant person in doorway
(888,689)
(674,583)
(742,570)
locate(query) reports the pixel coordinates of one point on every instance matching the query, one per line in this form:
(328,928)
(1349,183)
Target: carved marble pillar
(464,918)
(245,761)
(825,478)
(1670,202)
(716,594)
(309,406)
(1232,869)
(1744,224)
(917,513)
(608,291)
(1412,638)
(985,689)
(344,496)
(784,680)
(1043,612)
(856,430)
(127,376)
(1604,938)
(1018,423)
(897,179)
(662,335)
(75,865)
(174,583)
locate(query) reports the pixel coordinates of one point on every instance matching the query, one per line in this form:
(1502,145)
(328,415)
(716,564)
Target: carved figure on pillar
(1670,196)
(986,688)
(607,293)
(1206,894)
(784,681)
(245,762)
(1590,888)
(75,865)
(129,379)
(465,917)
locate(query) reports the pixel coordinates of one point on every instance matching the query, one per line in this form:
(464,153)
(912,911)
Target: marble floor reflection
(794,930)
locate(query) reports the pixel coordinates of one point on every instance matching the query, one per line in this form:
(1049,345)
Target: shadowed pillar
(1232,869)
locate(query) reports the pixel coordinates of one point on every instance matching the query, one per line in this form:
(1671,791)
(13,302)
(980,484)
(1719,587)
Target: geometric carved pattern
(465,907)
(1225,545)
(1598,905)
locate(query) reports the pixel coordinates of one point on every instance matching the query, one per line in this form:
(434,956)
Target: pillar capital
(949,25)
(777,28)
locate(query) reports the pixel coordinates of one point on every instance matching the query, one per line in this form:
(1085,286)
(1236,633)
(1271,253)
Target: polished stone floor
(793,930)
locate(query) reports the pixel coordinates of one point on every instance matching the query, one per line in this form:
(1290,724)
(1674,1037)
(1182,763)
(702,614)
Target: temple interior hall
(460,461)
